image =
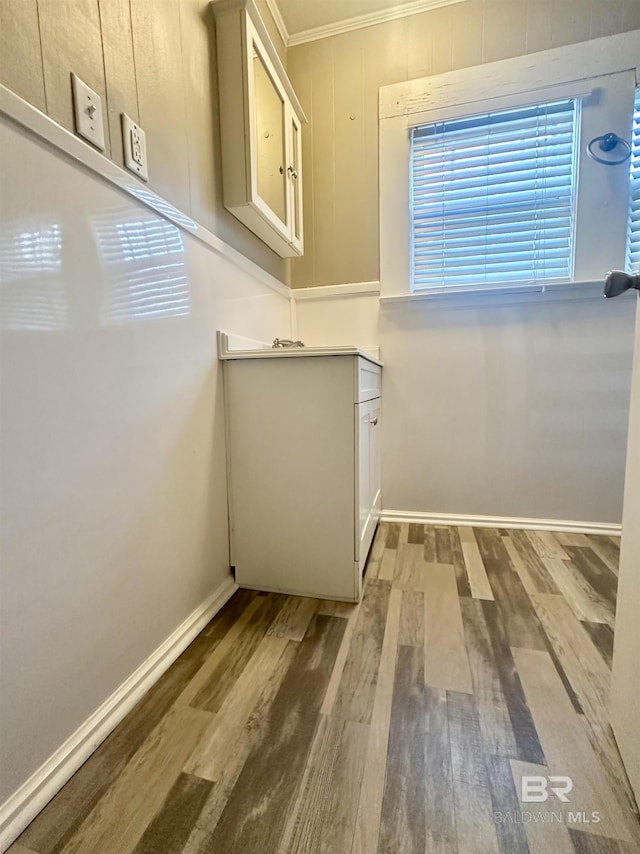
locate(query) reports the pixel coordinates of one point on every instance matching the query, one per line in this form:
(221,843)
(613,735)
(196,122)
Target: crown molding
(361,21)
(278,20)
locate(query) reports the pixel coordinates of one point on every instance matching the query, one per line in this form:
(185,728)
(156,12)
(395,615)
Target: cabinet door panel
(269,134)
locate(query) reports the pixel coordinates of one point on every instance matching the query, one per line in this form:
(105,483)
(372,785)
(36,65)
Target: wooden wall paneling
(475,827)
(199,76)
(300,73)
(255,813)
(120,818)
(161,99)
(119,69)
(571,22)
(71,41)
(493,712)
(539,25)
(320,56)
(402,825)
(351,244)
(505,29)
(441,32)
(445,655)
(20,51)
(367,828)
(467,20)
(419,47)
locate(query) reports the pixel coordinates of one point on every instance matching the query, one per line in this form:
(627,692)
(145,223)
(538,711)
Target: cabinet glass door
(270,146)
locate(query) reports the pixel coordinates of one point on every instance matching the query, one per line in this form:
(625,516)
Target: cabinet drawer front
(369,380)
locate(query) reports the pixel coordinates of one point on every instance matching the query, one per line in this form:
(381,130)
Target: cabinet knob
(373,421)
(292,172)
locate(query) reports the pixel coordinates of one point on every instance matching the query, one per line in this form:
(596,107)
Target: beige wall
(337,81)
(154,60)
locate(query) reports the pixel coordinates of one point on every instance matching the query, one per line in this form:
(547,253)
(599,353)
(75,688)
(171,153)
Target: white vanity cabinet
(260,127)
(304,471)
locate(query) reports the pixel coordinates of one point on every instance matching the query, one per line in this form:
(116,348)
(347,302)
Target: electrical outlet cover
(135,147)
(87,106)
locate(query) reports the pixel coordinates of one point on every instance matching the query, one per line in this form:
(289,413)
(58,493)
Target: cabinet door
(368,475)
(375,490)
(269,144)
(294,171)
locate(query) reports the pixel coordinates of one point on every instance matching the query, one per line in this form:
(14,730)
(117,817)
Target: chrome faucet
(286,342)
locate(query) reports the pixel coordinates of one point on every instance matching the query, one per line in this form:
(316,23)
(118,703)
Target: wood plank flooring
(400,725)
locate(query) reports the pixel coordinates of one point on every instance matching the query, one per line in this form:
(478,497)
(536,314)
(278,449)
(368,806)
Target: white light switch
(88,112)
(135,147)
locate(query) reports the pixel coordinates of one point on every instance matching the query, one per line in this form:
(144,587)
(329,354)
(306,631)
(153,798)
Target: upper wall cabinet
(260,120)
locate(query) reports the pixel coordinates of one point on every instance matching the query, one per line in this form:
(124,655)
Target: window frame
(601,73)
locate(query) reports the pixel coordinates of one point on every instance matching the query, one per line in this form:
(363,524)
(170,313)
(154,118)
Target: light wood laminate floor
(400,725)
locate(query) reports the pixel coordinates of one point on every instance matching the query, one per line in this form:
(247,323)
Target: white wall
(507,410)
(493,405)
(114,507)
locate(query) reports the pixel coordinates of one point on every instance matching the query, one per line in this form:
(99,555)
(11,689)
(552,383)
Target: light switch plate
(87,106)
(134,143)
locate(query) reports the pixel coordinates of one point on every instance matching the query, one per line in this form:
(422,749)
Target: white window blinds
(633,241)
(492,198)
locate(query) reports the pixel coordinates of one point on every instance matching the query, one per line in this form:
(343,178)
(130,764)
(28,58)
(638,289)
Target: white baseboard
(573,527)
(23,806)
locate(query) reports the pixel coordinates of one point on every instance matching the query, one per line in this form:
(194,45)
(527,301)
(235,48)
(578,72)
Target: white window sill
(477,297)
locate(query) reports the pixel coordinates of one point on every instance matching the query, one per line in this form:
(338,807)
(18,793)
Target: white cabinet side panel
(292,464)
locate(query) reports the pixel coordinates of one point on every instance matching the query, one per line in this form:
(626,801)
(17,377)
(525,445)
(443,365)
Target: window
(492,198)
(633,237)
(562,218)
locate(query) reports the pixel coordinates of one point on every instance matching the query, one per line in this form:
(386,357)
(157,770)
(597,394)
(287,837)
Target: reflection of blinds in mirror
(32,296)
(633,238)
(147,272)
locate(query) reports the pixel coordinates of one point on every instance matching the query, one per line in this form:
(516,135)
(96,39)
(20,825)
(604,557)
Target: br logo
(536,789)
